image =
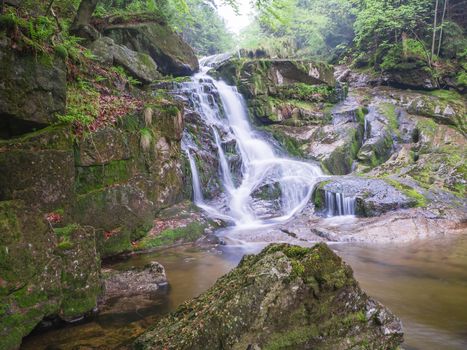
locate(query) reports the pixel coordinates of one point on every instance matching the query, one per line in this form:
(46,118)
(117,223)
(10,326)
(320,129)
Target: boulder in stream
(286,297)
(138,280)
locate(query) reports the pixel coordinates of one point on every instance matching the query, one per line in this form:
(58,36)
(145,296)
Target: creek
(424,282)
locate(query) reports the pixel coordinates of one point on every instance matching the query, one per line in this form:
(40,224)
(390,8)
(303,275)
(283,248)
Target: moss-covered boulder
(172,55)
(139,65)
(32,92)
(286,297)
(411,75)
(102,147)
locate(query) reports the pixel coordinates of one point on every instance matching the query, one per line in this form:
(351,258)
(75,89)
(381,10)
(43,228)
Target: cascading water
(337,204)
(259,163)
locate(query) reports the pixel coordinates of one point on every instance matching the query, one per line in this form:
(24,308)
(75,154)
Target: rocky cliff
(88,157)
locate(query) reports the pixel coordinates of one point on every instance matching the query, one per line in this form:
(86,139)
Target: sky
(235,22)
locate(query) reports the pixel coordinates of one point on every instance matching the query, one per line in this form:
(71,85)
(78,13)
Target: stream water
(424,282)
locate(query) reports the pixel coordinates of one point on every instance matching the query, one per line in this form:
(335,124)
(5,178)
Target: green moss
(82,104)
(306,92)
(95,177)
(389,111)
(427,127)
(168,237)
(64,235)
(292,338)
(360,115)
(419,199)
(64,232)
(74,305)
(291,145)
(61,51)
(318,195)
(449,95)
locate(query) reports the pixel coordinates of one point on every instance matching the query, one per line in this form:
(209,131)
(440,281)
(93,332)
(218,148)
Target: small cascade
(337,204)
(197,193)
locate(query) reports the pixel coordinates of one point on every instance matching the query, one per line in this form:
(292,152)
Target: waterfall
(223,109)
(337,204)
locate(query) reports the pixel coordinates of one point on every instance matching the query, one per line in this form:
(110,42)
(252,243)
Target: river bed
(423,282)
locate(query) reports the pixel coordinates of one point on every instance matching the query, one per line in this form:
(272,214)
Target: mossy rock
(29,271)
(33,90)
(172,55)
(286,297)
(42,177)
(80,283)
(101,147)
(118,212)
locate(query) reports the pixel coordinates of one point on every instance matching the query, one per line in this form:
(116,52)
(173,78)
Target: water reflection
(425,283)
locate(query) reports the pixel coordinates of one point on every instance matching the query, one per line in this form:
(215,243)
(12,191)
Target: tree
(81,23)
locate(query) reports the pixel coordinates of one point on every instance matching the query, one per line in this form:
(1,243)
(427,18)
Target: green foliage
(461,78)
(197,21)
(407,51)
(294,28)
(124,75)
(82,104)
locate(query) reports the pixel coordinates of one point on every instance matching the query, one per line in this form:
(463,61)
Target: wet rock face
(33,89)
(373,197)
(136,281)
(285,297)
(172,55)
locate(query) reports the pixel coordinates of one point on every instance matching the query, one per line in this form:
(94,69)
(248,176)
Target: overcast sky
(235,22)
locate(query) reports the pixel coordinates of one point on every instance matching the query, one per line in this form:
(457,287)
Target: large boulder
(145,280)
(286,297)
(372,197)
(32,90)
(172,55)
(138,64)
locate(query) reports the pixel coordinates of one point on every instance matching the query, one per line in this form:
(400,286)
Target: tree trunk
(441,30)
(83,16)
(434,31)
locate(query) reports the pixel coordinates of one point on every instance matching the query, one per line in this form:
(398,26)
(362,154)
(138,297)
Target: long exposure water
(259,161)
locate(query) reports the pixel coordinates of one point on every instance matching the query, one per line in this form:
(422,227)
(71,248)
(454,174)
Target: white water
(337,204)
(260,164)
